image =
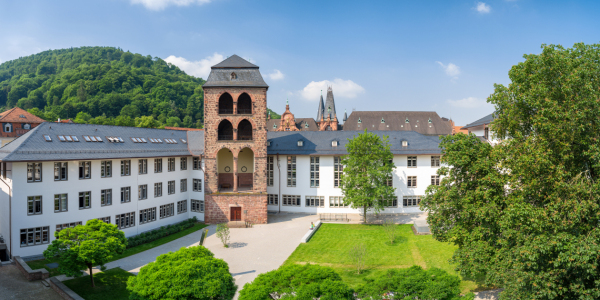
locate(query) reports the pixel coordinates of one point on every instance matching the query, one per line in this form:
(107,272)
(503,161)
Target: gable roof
(485,120)
(233,62)
(13,115)
(300,124)
(423,122)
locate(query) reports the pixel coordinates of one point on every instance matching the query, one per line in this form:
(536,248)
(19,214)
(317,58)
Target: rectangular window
(435,179)
(315,201)
(171,164)
(183,185)
(34,172)
(35,236)
(183,163)
(410,201)
(106,168)
(126,194)
(85,169)
(337,171)
(105,220)
(143,192)
(181,206)
(272,199)
(158,165)
(291,200)
(171,187)
(197,206)
(125,220)
(60,202)
(390,180)
(147,215)
(411,181)
(34,205)
(337,202)
(85,200)
(291,171)
(314,171)
(125,167)
(435,161)
(270,170)
(196,163)
(197,185)
(158,189)
(412,162)
(106,197)
(60,171)
(391,202)
(60,227)
(143,166)
(167,210)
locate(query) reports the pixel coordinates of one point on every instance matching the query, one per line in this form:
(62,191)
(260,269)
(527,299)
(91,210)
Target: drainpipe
(279,182)
(9,217)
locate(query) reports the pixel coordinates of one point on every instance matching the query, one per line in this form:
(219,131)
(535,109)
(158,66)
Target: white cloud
(469,102)
(483,8)
(276,75)
(200,68)
(451,69)
(162,4)
(341,88)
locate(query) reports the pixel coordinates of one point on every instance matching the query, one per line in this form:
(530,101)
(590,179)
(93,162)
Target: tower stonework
(235,143)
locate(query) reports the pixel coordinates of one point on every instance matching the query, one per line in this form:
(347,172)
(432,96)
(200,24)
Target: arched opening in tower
(245,131)
(225,131)
(245,168)
(225,104)
(225,169)
(244,104)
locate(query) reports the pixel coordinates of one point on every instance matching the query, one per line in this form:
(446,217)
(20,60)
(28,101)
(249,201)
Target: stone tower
(326,117)
(235,143)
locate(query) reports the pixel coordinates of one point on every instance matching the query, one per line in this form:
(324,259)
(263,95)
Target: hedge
(161,232)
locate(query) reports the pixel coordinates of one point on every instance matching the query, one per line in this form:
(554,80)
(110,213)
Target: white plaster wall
(480,131)
(4,207)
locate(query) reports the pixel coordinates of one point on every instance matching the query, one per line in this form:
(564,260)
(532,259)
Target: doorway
(236,214)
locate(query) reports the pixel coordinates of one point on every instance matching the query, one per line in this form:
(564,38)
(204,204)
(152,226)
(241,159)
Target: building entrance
(236,214)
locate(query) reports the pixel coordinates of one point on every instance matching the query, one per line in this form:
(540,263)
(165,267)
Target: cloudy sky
(442,56)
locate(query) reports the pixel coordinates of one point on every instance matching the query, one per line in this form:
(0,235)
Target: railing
(226,111)
(244,111)
(333,217)
(21,132)
(225,137)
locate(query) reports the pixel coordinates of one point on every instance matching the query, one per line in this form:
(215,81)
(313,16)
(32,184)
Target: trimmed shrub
(161,232)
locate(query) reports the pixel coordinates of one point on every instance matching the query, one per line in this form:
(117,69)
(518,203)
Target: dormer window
(429,120)
(22,116)
(8,127)
(233,76)
(404,143)
(26,126)
(305,125)
(268,143)
(382,120)
(274,125)
(359,121)
(334,143)
(406,120)
(300,143)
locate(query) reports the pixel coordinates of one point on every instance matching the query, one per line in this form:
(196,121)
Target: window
(196,163)
(300,143)
(336,202)
(125,220)
(106,197)
(143,192)
(60,202)
(181,206)
(291,171)
(412,162)
(34,205)
(197,206)
(60,227)
(315,201)
(171,164)
(105,220)
(167,210)
(486,133)
(391,202)
(143,166)
(157,165)
(314,171)
(390,179)
(183,185)
(125,167)
(197,185)
(34,172)
(272,199)
(47,138)
(291,200)
(435,161)
(126,194)
(183,163)
(435,179)
(270,170)
(60,171)
(337,171)
(85,169)
(7,127)
(171,187)
(409,201)
(106,168)
(411,181)
(147,215)
(158,189)
(85,200)
(35,236)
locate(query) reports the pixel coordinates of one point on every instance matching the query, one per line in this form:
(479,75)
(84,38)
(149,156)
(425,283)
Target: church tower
(235,143)
(326,117)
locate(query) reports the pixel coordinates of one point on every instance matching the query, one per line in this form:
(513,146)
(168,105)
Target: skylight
(69,139)
(183,141)
(98,139)
(75,139)
(47,138)
(62,138)
(159,140)
(87,138)
(134,140)
(121,140)
(93,138)
(143,140)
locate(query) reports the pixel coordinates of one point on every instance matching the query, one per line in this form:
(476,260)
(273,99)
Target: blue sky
(442,56)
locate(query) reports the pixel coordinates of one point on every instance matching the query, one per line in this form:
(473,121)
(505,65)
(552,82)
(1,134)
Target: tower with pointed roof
(326,118)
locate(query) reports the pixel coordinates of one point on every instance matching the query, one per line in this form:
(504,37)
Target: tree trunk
(91,275)
(365,214)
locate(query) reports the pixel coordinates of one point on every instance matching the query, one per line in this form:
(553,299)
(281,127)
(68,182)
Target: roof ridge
(25,138)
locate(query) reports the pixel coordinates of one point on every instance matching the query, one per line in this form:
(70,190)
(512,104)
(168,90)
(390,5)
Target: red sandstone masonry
(217,210)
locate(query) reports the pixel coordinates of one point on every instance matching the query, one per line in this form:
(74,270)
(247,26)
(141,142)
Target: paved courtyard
(14,285)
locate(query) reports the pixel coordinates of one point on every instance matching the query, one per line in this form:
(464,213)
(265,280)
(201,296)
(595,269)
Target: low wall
(310,233)
(28,272)
(63,290)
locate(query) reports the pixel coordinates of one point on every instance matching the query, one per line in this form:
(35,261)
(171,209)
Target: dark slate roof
(319,142)
(247,74)
(320,110)
(485,120)
(33,147)
(233,62)
(195,142)
(424,122)
(300,124)
(329,109)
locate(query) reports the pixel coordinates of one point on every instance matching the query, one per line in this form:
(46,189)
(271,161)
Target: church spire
(321,111)
(330,105)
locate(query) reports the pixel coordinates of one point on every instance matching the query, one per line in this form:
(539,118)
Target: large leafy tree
(526,212)
(86,246)
(189,273)
(367,168)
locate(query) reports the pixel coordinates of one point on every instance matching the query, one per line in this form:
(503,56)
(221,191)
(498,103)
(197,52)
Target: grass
(41,264)
(331,244)
(111,284)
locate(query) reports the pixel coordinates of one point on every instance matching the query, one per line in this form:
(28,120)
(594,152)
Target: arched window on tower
(225,131)
(244,104)
(225,104)
(245,131)
(233,76)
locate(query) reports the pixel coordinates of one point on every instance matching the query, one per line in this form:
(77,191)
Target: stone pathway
(14,285)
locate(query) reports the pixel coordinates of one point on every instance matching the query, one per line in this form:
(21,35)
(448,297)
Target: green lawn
(111,284)
(38,264)
(331,244)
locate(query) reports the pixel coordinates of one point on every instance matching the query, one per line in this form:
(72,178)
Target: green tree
(304,282)
(367,168)
(189,273)
(525,213)
(146,122)
(86,246)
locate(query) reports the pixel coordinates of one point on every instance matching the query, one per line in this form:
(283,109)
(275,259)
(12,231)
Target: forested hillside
(102,85)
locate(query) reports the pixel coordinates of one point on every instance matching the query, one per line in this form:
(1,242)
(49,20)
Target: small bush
(161,232)
(223,234)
